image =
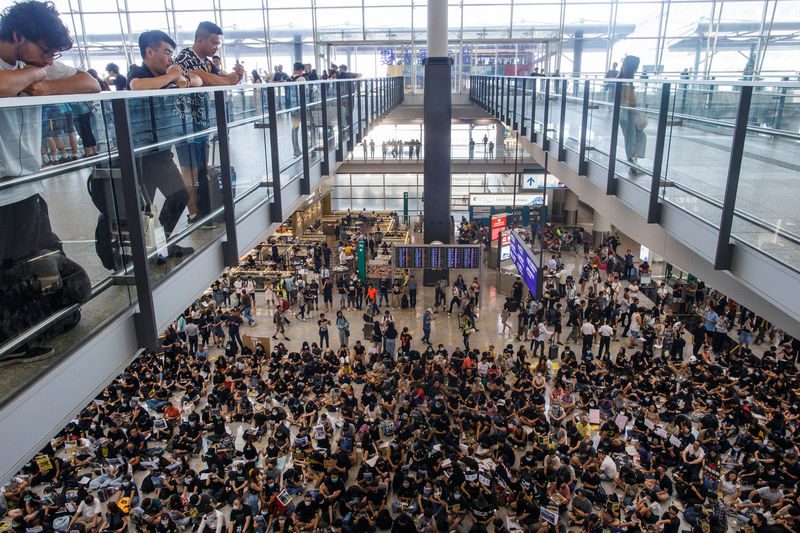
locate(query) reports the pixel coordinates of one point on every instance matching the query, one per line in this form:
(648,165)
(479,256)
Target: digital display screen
(438,257)
(522,256)
(505,246)
(498,225)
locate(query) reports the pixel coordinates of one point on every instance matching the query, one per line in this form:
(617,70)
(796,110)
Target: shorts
(327,298)
(192,154)
(557,328)
(635,334)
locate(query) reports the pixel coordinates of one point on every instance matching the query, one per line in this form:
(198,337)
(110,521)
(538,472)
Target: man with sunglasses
(32,37)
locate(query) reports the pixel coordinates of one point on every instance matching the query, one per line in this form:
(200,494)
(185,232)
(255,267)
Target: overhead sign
(522,256)
(534,179)
(505,199)
(498,225)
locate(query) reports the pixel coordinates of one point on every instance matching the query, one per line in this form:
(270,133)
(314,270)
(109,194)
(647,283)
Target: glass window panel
(140,5)
(141,22)
(340,24)
(285,24)
(536,21)
(376,18)
(191,5)
(482,22)
(229,5)
(242,20)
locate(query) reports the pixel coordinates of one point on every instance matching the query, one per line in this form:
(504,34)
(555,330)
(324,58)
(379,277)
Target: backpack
(387,427)
(384,520)
(286,305)
(536,330)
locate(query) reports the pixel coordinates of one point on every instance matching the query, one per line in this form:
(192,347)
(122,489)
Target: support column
(570,208)
(601,227)
(500,140)
(437,117)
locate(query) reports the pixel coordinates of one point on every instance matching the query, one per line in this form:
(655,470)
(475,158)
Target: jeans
(388,345)
(426,338)
(412,297)
(192,343)
(234,335)
(246,314)
(344,335)
(384,297)
(324,340)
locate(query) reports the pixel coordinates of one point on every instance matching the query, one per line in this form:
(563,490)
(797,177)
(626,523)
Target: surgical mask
(406,485)
(456,495)
(334,479)
(307,502)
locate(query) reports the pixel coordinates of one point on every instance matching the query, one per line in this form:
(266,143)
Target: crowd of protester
(414,435)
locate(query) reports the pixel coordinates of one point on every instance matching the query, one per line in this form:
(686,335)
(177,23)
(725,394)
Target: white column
(500,140)
(600,229)
(570,207)
(437,28)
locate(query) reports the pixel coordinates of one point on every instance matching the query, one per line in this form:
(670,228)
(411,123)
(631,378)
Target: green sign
(405,207)
(362,260)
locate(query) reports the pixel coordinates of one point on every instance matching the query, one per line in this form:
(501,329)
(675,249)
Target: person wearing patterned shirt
(193,154)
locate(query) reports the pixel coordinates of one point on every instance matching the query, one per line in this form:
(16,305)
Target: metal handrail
(30,101)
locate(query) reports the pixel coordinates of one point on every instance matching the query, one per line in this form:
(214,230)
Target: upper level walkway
(707,172)
(123,223)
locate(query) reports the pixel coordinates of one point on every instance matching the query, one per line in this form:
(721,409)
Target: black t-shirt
(674,525)
(238,518)
(121,83)
(141,72)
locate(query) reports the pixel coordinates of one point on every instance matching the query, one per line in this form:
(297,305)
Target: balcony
(100,255)
(711,165)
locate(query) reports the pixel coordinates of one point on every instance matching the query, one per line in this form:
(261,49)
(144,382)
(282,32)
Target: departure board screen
(437,257)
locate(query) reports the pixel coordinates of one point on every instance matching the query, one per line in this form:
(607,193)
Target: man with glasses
(32,37)
(193,154)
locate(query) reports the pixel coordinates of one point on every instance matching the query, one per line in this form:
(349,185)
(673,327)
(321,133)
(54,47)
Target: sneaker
(275,337)
(179,251)
(287,339)
(28,355)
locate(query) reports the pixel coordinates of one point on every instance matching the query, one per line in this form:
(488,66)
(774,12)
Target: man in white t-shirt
(605,332)
(89,514)
(32,36)
(608,468)
(587,333)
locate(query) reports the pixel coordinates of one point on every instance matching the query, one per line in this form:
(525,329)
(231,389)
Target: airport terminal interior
(427,266)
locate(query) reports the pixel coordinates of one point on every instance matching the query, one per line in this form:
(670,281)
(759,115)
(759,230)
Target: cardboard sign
(549,516)
(594,416)
(621,421)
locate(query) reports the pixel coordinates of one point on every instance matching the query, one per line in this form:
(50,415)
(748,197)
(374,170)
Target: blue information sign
(522,256)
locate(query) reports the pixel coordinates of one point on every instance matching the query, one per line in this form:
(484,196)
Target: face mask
(236,507)
(456,495)
(406,485)
(165,522)
(334,479)
(125,483)
(307,502)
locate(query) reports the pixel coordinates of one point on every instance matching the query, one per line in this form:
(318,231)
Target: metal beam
(611,182)
(562,152)
(305,181)
(724,253)
(584,128)
(230,247)
(276,207)
(326,156)
(145,318)
(523,129)
(654,206)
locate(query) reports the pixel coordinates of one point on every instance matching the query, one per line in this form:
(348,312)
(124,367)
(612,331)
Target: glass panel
(177,157)
(57,259)
(249,149)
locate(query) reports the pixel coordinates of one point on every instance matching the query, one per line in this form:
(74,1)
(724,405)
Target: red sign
(498,225)
(505,240)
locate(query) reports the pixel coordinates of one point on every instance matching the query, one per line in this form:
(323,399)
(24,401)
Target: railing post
(611,180)
(523,129)
(514,107)
(724,253)
(340,144)
(562,152)
(305,181)
(276,208)
(654,207)
(367,120)
(349,112)
(360,134)
(507,107)
(230,248)
(545,144)
(145,318)
(584,127)
(326,157)
(533,110)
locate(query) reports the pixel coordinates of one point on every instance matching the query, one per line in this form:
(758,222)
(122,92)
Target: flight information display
(523,259)
(437,257)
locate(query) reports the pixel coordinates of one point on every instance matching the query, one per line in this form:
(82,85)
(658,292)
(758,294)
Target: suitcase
(552,352)
(513,305)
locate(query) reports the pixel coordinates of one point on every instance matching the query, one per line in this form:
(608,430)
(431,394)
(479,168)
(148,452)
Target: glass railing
(700,138)
(98,189)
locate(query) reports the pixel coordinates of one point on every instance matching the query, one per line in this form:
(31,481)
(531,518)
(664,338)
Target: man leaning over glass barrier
(193,154)
(32,37)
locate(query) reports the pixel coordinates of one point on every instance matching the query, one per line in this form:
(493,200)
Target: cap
(429,310)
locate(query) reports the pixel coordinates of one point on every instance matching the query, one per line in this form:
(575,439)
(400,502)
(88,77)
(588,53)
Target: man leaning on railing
(32,37)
